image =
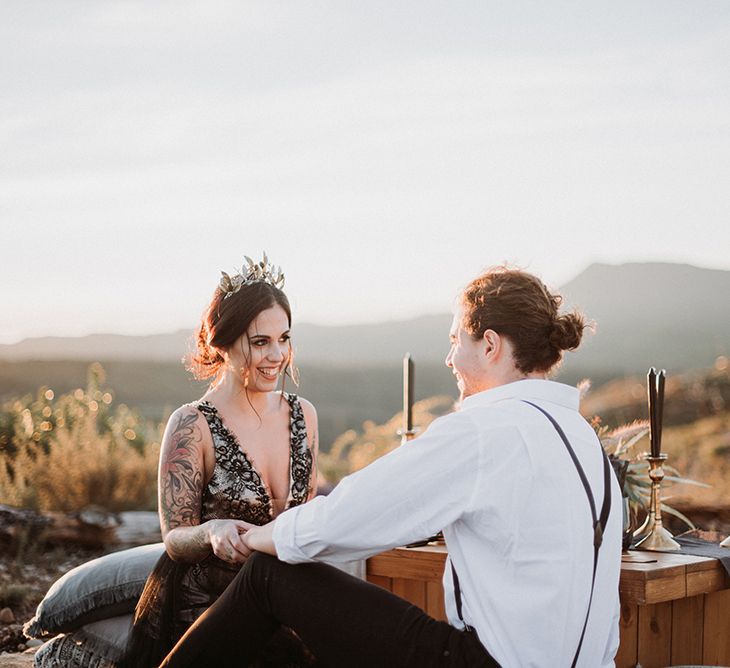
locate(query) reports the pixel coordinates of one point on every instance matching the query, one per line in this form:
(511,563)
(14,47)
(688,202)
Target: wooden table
(675,609)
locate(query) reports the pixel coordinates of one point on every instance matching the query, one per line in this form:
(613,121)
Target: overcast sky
(381,152)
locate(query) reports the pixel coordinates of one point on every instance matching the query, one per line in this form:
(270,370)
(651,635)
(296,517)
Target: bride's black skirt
(174,596)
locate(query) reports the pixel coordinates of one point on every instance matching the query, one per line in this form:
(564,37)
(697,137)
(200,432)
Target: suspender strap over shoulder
(599,523)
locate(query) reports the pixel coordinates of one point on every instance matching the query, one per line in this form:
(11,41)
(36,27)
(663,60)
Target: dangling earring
(291,370)
(293,373)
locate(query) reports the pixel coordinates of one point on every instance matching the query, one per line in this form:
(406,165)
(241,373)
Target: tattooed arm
(180,485)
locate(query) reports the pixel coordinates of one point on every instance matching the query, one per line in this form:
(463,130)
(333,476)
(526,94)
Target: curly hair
(517,305)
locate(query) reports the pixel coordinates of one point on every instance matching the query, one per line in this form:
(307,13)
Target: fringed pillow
(105,587)
(97,645)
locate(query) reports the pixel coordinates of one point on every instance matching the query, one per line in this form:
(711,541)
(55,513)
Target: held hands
(260,539)
(226,538)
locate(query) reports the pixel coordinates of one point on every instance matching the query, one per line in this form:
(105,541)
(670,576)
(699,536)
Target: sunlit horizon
(403,316)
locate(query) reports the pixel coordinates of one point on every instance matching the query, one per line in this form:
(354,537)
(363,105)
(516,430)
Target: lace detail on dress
(236,490)
(177,593)
(301,455)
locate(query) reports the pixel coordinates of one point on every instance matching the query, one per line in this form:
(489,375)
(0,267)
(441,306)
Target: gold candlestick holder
(652,534)
(406,435)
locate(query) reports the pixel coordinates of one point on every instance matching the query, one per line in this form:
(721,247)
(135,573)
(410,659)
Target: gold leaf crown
(252,272)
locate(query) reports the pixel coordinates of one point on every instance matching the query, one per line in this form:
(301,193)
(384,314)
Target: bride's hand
(226,540)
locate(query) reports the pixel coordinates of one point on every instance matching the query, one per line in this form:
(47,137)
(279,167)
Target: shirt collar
(531,388)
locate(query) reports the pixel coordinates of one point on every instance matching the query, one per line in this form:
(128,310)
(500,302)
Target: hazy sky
(382,152)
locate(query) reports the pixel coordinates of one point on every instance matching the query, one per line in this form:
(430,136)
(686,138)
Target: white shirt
(498,480)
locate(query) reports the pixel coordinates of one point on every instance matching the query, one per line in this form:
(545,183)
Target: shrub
(352,451)
(66,452)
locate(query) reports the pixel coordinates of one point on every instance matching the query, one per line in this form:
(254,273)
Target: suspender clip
(597,535)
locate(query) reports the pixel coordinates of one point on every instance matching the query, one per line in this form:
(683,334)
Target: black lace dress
(176,594)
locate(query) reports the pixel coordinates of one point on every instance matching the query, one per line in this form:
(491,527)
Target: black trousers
(344,621)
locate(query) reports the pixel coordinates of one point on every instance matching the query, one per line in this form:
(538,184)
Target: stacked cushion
(92,606)
(95,645)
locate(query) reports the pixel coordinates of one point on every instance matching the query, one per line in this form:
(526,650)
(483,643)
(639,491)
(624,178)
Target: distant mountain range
(670,315)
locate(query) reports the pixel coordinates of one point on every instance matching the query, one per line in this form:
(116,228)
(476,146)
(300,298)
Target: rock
(6,616)
(34,642)
(98,517)
(139,528)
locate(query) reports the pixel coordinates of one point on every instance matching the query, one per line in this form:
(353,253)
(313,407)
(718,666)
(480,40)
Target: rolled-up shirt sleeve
(407,495)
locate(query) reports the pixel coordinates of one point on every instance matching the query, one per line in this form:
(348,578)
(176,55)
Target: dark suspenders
(599,523)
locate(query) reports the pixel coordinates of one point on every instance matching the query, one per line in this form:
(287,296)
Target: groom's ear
(492,344)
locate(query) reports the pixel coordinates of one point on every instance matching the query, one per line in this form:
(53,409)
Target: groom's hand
(260,539)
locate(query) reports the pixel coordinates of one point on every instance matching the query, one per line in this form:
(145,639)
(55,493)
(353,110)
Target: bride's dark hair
(226,319)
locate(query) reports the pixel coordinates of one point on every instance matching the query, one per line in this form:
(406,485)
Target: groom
(517,481)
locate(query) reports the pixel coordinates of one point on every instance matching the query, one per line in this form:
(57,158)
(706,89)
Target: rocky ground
(25,576)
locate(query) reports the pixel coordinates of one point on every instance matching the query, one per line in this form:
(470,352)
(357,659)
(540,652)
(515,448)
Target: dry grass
(67,452)
(352,451)
(701,451)
(79,467)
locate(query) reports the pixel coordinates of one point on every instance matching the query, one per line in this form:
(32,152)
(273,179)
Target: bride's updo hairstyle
(227,317)
(517,305)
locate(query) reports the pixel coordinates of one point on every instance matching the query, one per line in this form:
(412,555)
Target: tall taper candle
(407,393)
(651,387)
(660,380)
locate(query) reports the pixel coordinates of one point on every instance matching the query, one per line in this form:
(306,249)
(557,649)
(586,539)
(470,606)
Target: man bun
(518,305)
(567,331)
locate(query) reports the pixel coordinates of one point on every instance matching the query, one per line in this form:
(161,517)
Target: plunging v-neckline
(269,500)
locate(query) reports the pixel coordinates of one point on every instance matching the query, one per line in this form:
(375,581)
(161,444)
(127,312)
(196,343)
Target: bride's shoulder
(186,410)
(192,408)
(307,406)
(308,411)
(189,419)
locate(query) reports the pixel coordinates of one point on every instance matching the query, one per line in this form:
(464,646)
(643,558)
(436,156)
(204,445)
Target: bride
(235,458)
